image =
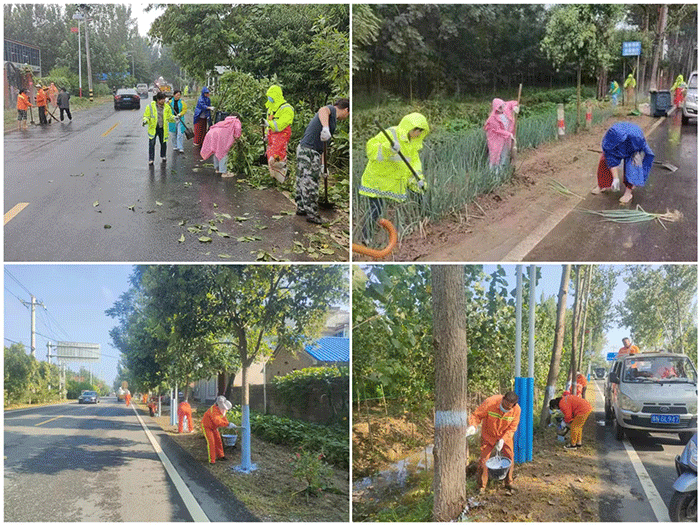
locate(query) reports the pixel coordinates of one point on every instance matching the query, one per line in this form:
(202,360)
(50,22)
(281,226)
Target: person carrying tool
(499,131)
(219,140)
(184,410)
(41,103)
(630,84)
(626,158)
(63,102)
(178,108)
(576,411)
(499,416)
(202,114)
(309,153)
(22,105)
(678,89)
(387,175)
(214,418)
(627,347)
(614,92)
(127,398)
(157,113)
(278,127)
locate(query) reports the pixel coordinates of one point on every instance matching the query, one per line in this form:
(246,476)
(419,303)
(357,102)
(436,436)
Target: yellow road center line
(15,211)
(47,421)
(110,130)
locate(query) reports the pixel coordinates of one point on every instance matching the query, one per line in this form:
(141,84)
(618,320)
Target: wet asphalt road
(584,237)
(622,497)
(62,170)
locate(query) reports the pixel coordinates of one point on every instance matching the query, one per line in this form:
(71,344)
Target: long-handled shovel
(403,158)
(325,203)
(31,116)
(262,158)
(380,254)
(514,146)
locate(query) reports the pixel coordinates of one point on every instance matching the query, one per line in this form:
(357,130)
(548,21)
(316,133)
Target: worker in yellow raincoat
(386,175)
(280,116)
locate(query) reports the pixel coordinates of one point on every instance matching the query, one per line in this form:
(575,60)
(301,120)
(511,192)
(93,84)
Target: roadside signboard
(631,49)
(70,351)
(611,356)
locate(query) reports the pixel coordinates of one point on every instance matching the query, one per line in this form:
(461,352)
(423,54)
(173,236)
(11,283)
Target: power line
(17,281)
(13,295)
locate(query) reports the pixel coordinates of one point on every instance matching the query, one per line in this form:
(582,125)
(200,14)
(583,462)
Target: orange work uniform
(581,384)
(576,411)
(212,420)
(184,410)
(631,350)
(495,425)
(40,98)
(127,398)
(23,102)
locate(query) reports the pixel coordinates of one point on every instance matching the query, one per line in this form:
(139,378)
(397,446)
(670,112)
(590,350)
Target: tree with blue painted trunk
(450,343)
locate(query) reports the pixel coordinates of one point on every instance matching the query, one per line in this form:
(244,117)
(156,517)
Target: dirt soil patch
(494,225)
(556,486)
(269,491)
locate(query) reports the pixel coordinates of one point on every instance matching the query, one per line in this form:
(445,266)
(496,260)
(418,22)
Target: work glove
(516,109)
(143,123)
(211,108)
(232,425)
(515,142)
(499,445)
(471,430)
(264,122)
(395,147)
(325,134)
(417,186)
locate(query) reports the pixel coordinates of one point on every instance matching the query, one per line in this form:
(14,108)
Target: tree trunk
(661,35)
(586,296)
(574,330)
(450,343)
(559,331)
(578,98)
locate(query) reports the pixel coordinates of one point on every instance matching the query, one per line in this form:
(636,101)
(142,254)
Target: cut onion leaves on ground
(629,216)
(560,188)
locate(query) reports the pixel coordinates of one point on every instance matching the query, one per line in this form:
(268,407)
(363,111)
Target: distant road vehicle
(127,98)
(690,103)
(88,396)
(599,372)
(142,90)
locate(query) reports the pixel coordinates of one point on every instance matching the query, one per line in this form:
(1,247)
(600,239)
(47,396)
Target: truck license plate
(666,419)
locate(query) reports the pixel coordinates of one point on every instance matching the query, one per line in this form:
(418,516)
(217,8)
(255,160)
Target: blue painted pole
(246,465)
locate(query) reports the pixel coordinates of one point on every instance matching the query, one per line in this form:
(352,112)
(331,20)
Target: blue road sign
(631,49)
(611,356)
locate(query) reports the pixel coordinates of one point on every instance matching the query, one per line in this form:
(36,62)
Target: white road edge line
(193,507)
(657,504)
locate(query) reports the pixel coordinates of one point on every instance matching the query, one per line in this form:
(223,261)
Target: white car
(690,103)
(652,392)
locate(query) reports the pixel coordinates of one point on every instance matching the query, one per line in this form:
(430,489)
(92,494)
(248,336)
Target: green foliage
(309,467)
(660,308)
(332,442)
(295,386)
(27,380)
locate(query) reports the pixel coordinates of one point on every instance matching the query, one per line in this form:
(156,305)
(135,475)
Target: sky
(143,18)
(76,297)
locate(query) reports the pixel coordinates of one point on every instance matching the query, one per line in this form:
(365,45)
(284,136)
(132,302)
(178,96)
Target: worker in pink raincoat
(218,142)
(499,129)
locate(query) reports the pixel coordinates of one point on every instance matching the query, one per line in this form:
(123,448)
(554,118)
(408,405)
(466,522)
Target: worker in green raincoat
(386,175)
(280,116)
(678,89)
(630,84)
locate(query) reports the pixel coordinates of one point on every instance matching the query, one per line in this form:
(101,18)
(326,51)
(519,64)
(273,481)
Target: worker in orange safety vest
(214,418)
(184,410)
(127,398)
(576,411)
(499,416)
(581,385)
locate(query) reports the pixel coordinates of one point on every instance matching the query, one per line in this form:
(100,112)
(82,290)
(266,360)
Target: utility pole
(79,17)
(32,304)
(85,8)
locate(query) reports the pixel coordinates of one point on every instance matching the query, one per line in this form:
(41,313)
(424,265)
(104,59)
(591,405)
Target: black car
(89,396)
(127,98)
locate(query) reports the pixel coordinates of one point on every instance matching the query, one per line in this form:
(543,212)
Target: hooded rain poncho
(386,176)
(221,137)
(280,116)
(499,129)
(201,110)
(625,142)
